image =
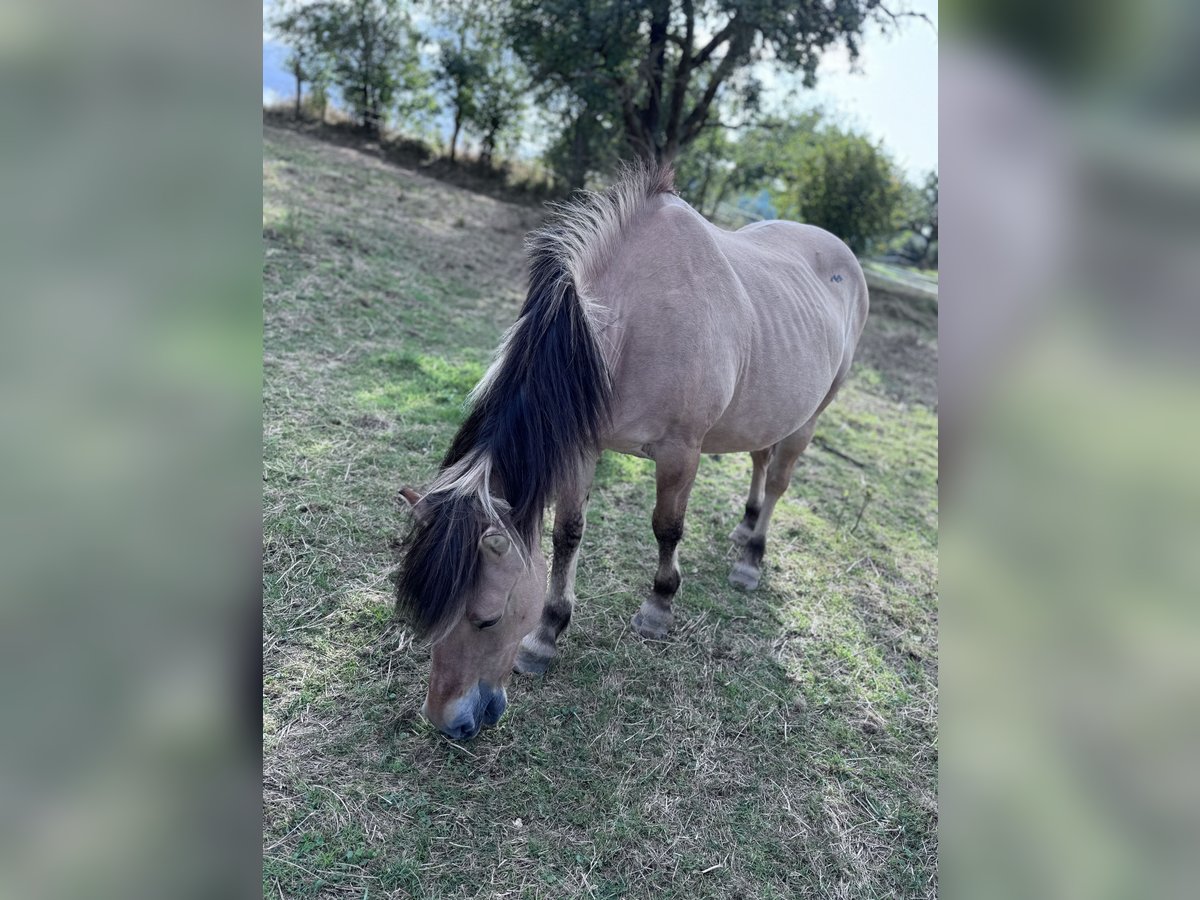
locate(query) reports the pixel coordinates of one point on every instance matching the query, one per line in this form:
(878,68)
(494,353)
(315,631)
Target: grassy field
(781,744)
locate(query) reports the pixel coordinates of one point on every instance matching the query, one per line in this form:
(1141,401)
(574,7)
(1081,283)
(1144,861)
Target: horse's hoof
(740,535)
(533,658)
(653,624)
(744,577)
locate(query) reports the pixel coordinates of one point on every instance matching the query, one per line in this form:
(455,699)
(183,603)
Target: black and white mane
(542,405)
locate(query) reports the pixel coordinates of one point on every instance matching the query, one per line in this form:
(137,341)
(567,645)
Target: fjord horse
(646,330)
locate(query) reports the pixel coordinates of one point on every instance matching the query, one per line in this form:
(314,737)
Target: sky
(892,96)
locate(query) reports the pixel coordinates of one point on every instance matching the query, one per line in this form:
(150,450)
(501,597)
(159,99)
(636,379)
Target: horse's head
(477,594)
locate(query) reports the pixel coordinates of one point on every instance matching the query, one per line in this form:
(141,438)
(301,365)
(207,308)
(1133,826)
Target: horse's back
(728,339)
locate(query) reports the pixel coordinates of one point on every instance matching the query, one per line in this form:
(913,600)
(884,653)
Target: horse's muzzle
(482,705)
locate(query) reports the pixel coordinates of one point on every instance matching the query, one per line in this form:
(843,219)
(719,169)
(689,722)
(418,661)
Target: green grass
(781,744)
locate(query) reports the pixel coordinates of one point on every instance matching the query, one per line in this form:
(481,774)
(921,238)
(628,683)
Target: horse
(645,330)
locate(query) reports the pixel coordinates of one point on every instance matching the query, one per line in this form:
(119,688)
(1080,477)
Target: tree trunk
(296,114)
(656,63)
(489,147)
(457,128)
(702,194)
(580,156)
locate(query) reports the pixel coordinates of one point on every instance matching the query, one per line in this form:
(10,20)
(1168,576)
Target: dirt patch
(900,343)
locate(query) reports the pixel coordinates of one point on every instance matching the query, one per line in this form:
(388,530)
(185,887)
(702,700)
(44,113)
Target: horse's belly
(766,409)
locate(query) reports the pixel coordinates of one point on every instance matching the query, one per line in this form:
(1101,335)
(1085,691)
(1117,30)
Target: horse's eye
(488,624)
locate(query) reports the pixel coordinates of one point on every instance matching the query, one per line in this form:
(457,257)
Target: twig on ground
(838,453)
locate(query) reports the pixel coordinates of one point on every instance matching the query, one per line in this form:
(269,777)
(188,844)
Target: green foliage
(587,142)
(660,68)
(364,47)
(301,28)
(460,70)
(844,183)
(498,103)
(663,80)
(918,242)
(814,171)
(375,59)
(718,167)
(483,80)
(708,172)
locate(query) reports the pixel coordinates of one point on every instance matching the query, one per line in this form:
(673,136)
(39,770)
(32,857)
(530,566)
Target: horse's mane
(542,405)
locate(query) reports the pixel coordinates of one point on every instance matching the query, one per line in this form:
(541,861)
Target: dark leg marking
(666,587)
(567,536)
(675,472)
(751,517)
(556,618)
(538,648)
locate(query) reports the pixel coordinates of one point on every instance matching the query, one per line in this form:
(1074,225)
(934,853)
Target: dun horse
(647,331)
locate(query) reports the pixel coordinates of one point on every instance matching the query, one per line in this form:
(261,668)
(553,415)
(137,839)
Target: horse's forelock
(441,561)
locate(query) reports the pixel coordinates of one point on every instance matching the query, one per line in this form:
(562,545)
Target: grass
(781,744)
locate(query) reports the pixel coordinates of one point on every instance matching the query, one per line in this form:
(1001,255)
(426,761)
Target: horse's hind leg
(754,501)
(675,473)
(540,646)
(748,570)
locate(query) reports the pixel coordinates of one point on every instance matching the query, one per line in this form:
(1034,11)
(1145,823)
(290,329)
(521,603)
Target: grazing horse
(647,331)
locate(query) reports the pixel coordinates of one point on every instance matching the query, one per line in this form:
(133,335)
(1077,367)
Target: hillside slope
(782,743)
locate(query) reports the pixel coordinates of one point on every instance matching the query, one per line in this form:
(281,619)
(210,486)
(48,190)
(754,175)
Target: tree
(706,173)
(665,64)
(321,79)
(461,63)
(586,141)
(497,104)
(919,215)
(483,79)
(812,170)
(374,56)
(364,47)
(723,164)
(840,181)
(461,70)
(302,29)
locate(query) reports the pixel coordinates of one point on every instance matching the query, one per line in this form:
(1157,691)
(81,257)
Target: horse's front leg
(540,646)
(675,473)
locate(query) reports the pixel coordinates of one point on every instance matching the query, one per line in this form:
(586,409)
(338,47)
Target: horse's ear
(413,501)
(495,543)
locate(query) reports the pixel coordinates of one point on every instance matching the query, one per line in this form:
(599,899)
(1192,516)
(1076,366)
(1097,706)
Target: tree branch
(683,74)
(634,131)
(717,40)
(695,121)
(907,14)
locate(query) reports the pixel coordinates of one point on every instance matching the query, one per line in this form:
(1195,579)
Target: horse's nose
(462,729)
(494,703)
(462,719)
